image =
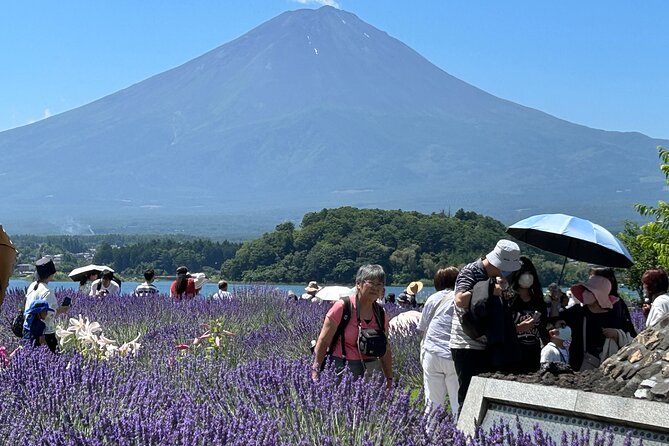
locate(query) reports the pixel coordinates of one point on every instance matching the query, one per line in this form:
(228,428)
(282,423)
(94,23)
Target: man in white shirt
(222,292)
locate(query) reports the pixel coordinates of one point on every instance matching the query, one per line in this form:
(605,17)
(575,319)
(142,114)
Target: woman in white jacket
(45,269)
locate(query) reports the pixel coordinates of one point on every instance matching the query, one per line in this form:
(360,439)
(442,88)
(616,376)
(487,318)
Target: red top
(351,332)
(188,294)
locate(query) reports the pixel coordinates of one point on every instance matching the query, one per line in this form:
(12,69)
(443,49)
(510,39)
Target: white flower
(87,337)
(110,350)
(63,334)
(103,341)
(76,324)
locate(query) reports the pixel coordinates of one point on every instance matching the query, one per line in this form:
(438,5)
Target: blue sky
(604,64)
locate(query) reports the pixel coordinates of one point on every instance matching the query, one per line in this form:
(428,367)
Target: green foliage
(130,256)
(650,244)
(331,244)
(645,257)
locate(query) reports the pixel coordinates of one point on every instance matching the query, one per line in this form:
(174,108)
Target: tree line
(331,244)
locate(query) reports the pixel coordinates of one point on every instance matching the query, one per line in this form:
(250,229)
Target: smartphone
(67,302)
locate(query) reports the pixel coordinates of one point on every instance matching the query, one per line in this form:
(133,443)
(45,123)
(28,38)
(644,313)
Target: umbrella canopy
(574,238)
(334,292)
(79,274)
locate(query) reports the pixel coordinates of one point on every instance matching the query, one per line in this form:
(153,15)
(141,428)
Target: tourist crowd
(489,316)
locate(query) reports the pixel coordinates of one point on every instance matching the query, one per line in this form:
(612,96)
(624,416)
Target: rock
(650,370)
(653,340)
(665,371)
(618,370)
(650,359)
(648,383)
(665,357)
(641,393)
(636,356)
(664,344)
(660,390)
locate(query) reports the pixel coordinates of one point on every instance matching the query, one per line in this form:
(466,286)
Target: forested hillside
(129,255)
(331,244)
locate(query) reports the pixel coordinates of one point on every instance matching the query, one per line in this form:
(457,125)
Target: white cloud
(332,3)
(46,114)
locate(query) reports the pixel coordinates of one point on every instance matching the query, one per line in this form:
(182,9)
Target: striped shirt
(146,289)
(469,276)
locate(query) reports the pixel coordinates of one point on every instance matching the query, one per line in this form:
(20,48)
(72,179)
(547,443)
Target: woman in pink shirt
(365,345)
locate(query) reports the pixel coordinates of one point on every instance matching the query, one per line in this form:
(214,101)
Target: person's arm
(462,299)
(324,340)
(62,310)
(41,340)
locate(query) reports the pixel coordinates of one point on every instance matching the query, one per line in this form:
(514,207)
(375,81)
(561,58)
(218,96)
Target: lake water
(210,288)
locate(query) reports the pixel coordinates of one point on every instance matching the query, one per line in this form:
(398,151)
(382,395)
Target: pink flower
(183,347)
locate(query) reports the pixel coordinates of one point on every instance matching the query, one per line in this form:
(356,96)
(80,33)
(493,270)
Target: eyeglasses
(373,284)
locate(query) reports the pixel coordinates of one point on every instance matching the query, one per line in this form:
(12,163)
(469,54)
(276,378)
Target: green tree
(654,235)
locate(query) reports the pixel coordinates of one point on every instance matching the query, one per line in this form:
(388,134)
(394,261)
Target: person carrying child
(34,326)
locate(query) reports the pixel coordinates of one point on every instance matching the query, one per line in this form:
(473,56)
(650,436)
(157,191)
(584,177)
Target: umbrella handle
(562,272)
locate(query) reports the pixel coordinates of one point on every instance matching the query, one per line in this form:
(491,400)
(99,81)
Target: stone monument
(628,393)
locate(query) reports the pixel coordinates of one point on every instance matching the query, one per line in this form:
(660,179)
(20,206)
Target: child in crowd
(33,327)
(557,350)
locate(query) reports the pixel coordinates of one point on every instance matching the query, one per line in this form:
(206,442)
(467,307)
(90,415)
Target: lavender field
(147,371)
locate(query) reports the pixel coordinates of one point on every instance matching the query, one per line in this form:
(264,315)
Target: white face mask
(565,335)
(526,280)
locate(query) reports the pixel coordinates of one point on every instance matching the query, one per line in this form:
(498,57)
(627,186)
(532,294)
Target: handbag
(590,361)
(17,324)
(371,341)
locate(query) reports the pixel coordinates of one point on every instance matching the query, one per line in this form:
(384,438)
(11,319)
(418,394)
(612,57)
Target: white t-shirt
(220,294)
(42,292)
(658,310)
(551,353)
(438,329)
(113,288)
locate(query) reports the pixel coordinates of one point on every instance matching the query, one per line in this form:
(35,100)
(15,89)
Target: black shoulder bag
(372,341)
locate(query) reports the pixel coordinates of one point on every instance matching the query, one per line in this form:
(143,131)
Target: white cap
(505,256)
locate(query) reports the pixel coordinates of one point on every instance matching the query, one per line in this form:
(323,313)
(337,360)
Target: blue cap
(39,305)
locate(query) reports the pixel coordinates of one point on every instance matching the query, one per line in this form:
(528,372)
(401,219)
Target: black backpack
(379,313)
(476,320)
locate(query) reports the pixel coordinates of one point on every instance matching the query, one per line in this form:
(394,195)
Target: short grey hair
(370,272)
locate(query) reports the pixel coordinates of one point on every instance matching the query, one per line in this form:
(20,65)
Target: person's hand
(646,309)
(610,333)
(525,325)
(389,383)
(315,373)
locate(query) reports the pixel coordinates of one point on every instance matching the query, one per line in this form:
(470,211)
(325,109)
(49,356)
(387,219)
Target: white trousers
(439,378)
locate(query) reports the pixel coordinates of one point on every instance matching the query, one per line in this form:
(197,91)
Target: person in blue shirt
(33,327)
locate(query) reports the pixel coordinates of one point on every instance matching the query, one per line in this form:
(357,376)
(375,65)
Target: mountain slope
(317,108)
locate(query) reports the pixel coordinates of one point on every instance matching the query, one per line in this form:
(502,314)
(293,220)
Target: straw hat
(312,287)
(414,288)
